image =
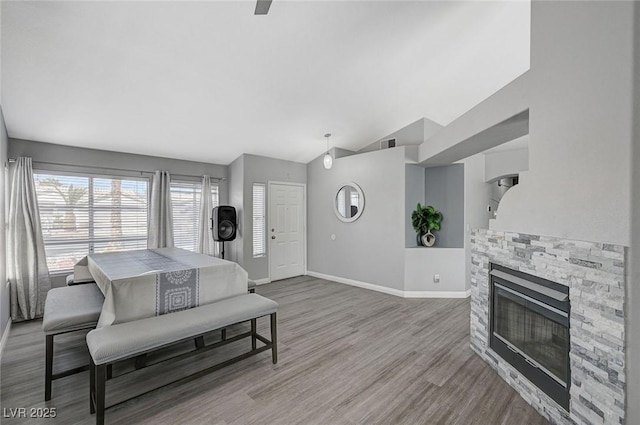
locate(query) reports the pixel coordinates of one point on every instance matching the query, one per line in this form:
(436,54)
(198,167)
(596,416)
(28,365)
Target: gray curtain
(27,269)
(160,216)
(206,244)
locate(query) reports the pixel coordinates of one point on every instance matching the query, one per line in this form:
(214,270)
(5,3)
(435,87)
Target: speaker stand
(223,250)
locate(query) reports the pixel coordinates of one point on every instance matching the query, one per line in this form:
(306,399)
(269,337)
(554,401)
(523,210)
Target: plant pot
(419,239)
(428,239)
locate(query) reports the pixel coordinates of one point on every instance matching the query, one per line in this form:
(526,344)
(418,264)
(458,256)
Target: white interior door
(286,231)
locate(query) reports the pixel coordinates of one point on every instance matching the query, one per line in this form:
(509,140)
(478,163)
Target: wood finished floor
(347,356)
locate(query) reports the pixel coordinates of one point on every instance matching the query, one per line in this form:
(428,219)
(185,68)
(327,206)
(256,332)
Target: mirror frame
(361,206)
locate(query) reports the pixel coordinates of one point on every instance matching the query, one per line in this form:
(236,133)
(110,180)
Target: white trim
(5,336)
(304,222)
(360,207)
(437,294)
(262,281)
(359,284)
(265,241)
(392,291)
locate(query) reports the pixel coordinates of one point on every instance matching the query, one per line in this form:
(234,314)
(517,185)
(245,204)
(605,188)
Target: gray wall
(444,190)
(92,160)
(234,250)
(259,169)
(371,249)
(633,278)
(414,193)
(339,152)
(4,292)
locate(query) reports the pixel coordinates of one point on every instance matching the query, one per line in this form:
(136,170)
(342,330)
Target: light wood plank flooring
(347,356)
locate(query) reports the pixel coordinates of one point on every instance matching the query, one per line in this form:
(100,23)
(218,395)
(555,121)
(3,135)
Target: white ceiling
(208,81)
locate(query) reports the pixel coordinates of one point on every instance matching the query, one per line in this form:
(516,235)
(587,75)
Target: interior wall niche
(414,193)
(443,188)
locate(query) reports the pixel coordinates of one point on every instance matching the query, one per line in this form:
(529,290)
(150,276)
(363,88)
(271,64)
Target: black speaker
(224,223)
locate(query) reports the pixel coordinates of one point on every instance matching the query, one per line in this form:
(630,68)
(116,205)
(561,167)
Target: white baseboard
(359,284)
(262,281)
(392,291)
(5,336)
(437,294)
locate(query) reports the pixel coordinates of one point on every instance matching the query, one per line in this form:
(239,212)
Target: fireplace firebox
(529,328)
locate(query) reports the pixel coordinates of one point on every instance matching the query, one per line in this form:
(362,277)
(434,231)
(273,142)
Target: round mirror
(349,202)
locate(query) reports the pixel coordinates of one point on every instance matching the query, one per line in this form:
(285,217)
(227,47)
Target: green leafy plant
(424,219)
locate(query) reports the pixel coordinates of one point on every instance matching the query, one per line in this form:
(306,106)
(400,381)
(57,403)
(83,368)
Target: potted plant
(424,220)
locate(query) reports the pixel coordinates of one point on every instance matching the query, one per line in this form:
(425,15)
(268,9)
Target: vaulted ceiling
(209,80)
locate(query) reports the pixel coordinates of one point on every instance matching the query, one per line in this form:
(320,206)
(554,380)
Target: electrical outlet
(436,278)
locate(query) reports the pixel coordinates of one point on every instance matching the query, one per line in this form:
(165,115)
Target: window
(259,234)
(83,214)
(185,206)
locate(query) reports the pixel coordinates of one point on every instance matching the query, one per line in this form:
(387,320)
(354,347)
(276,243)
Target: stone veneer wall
(594,273)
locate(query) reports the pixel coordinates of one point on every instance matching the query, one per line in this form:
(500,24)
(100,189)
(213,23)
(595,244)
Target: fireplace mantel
(595,275)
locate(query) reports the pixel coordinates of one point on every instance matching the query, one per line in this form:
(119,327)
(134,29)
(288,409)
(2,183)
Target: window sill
(60,273)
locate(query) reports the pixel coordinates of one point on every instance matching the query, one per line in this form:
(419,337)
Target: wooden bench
(123,341)
(68,309)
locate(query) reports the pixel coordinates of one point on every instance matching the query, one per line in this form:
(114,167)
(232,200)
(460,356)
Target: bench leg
(141,361)
(48,373)
(253,334)
(223,334)
(199,342)
(100,393)
(109,371)
(274,339)
(92,386)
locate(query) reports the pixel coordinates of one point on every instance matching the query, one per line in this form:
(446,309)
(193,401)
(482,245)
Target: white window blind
(259,225)
(185,205)
(84,214)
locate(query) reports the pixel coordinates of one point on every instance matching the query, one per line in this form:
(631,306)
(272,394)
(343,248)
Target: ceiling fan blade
(262,7)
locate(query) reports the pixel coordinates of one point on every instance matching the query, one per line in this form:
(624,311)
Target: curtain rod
(116,169)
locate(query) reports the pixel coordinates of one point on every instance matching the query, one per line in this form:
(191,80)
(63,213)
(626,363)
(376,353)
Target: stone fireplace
(592,274)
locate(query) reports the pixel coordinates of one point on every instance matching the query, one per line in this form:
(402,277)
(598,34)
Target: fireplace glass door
(540,334)
(529,325)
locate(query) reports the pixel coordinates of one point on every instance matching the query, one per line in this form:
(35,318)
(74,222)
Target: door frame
(270,183)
